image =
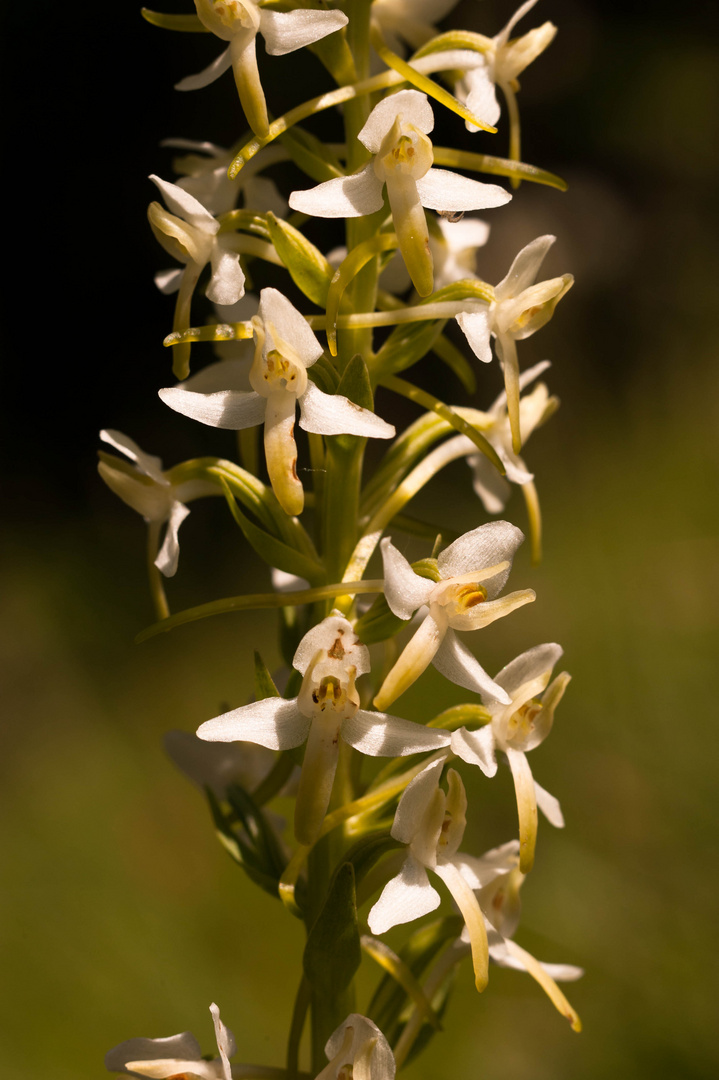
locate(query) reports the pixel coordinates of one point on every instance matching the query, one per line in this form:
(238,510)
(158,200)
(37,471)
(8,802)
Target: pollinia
(380,806)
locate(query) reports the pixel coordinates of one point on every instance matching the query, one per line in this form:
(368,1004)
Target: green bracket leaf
(333,952)
(308,267)
(189,24)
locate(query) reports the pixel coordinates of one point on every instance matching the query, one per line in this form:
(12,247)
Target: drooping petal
(466,900)
(183,1046)
(526,807)
(271,722)
(406,897)
(208,75)
(169,553)
(525,268)
(233,409)
(476,327)
(418,654)
(476,748)
(334,414)
(415,801)
(284,32)
(410,225)
(225,1042)
(380,735)
(481,96)
(549,806)
(404,590)
(281,451)
(460,666)
(342,197)
(227,283)
(186,206)
(414,109)
(487,545)
(440,189)
(284,321)
(541,975)
(148,464)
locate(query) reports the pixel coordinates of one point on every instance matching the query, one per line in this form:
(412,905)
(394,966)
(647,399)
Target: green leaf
(368,851)
(407,344)
(264,683)
(456,361)
(355,383)
(378,623)
(269,856)
(238,849)
(333,952)
(308,267)
(311,155)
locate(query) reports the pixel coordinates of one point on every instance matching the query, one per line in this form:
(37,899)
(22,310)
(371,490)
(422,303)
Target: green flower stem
(352,265)
(414,1025)
(299,1015)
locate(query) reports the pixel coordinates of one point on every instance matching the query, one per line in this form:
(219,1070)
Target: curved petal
(380,735)
(476,327)
(483,870)
(526,807)
(529,666)
(233,409)
(334,414)
(225,1042)
(412,105)
(485,546)
(525,268)
(540,973)
(227,283)
(183,1046)
(169,281)
(418,654)
(169,553)
(476,748)
(481,97)
(271,722)
(207,75)
(342,197)
(148,464)
(287,323)
(466,900)
(404,590)
(440,189)
(406,897)
(456,662)
(491,488)
(415,801)
(186,206)
(549,806)
(284,32)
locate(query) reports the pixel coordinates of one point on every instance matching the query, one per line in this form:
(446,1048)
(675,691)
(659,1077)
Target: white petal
(168,281)
(380,735)
(456,663)
(481,98)
(406,897)
(184,1046)
(342,197)
(227,283)
(334,414)
(476,748)
(152,501)
(272,722)
(404,590)
(147,463)
(414,802)
(163,1068)
(186,206)
(482,871)
(232,374)
(549,806)
(169,553)
(334,633)
(286,32)
(440,189)
(207,75)
(287,323)
(232,409)
(485,546)
(525,268)
(489,486)
(503,36)
(414,108)
(528,666)
(225,1042)
(476,327)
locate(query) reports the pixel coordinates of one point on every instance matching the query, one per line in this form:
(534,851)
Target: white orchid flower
(471,573)
(396,134)
(358,1049)
(409,20)
(330,657)
(150,491)
(189,232)
(520,307)
(453,246)
(432,824)
(516,727)
(284,348)
(238,22)
(501,65)
(499,900)
(174,1056)
(204,176)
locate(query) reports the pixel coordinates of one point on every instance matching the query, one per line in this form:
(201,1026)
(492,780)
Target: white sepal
(271,722)
(406,897)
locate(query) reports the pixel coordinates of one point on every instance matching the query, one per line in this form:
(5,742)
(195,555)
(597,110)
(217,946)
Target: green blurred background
(120,914)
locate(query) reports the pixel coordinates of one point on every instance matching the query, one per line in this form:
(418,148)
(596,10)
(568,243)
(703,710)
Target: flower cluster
(373,843)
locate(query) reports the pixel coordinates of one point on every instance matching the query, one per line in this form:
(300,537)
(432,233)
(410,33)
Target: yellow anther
(521,722)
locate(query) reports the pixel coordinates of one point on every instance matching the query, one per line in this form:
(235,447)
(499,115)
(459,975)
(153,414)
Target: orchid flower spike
(358,1049)
(498,896)
(176,1055)
(409,20)
(284,348)
(502,64)
(431,824)
(190,233)
(238,22)
(396,134)
(520,307)
(151,492)
(330,657)
(516,727)
(470,574)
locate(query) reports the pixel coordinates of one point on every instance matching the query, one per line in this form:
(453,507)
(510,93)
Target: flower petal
(456,662)
(233,409)
(333,634)
(485,546)
(183,1046)
(208,75)
(271,722)
(148,464)
(415,801)
(483,870)
(225,1042)
(168,281)
(334,414)
(169,553)
(526,807)
(406,897)
(491,488)
(476,748)
(286,322)
(549,806)
(418,654)
(468,904)
(525,268)
(227,283)
(412,105)
(186,206)
(404,590)
(476,327)
(342,197)
(481,96)
(528,666)
(440,189)
(380,735)
(284,32)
